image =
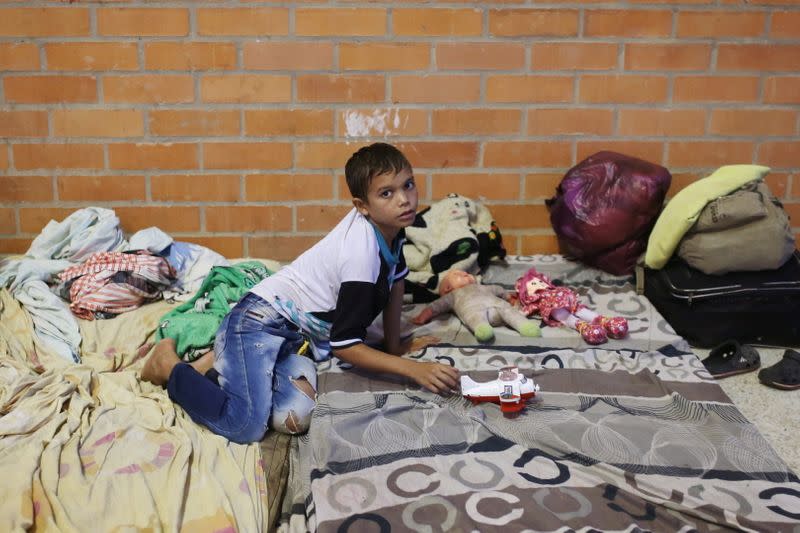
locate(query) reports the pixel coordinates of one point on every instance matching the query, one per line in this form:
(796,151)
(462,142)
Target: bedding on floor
(632,434)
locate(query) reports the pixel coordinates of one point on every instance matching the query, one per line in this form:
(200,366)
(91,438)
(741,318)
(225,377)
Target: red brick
(632,89)
(361,22)
(173,218)
(245,21)
(44,22)
(320,217)
(49,89)
(384,56)
(652,151)
(383,122)
(8,224)
(270,122)
(540,154)
(195,188)
(163,55)
(778,183)
(753,122)
(15,245)
(530,89)
(715,89)
(100,188)
(472,121)
(520,216)
(431,22)
(16,189)
(338,88)
(570,121)
(194,122)
(627,23)
(247,155)
(662,122)
(4,157)
(538,244)
(230,247)
(640,56)
(324,154)
(782,90)
(97,123)
(312,55)
(155,156)
(709,154)
(248,218)
(279,248)
(288,187)
(151,88)
(485,56)
(450,89)
(145,22)
(781,154)
(541,185)
(533,22)
(759,57)
(23,124)
(440,154)
(573,56)
(710,24)
(19,56)
(34,219)
(477,186)
(91,56)
(33,156)
(246,88)
(785,25)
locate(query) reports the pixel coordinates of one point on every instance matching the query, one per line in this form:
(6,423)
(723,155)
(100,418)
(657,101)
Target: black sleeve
(355,311)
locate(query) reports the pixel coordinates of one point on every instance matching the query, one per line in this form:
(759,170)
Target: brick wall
(228,123)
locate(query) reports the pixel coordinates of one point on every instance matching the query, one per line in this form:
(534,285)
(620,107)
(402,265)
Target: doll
(478,306)
(560,305)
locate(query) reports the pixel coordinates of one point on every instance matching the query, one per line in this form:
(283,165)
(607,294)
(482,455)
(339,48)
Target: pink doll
(560,305)
(478,306)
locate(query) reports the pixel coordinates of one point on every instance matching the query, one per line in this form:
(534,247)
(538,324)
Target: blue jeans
(252,383)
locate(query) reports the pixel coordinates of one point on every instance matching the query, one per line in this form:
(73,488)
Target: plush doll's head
(529,284)
(455,279)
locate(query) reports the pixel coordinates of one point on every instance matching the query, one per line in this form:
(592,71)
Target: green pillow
(682,211)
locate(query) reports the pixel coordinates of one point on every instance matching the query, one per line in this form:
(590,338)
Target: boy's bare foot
(159,365)
(204,363)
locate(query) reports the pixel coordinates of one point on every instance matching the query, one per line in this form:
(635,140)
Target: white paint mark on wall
(380,122)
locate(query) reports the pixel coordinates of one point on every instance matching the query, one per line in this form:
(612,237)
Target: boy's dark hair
(371,161)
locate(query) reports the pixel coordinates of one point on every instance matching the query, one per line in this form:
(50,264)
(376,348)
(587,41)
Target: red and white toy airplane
(510,390)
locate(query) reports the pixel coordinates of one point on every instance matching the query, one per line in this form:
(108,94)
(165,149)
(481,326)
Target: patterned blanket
(629,435)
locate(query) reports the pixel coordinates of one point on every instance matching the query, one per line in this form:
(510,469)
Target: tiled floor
(775,412)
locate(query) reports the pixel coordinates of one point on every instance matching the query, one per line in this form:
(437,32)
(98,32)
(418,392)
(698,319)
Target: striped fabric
(116,282)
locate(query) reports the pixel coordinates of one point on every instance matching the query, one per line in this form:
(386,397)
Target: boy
(330,295)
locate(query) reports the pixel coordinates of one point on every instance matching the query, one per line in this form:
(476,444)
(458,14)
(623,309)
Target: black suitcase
(752,307)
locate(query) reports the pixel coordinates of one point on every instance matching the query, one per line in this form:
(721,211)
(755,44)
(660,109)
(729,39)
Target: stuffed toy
(453,233)
(478,306)
(557,305)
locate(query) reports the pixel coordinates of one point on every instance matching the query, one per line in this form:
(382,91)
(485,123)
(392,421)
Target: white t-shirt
(336,288)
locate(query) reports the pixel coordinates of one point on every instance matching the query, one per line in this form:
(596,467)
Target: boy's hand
(417,343)
(436,377)
(423,317)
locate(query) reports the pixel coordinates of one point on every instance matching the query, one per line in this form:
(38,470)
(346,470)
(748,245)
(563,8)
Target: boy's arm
(391,319)
(435,377)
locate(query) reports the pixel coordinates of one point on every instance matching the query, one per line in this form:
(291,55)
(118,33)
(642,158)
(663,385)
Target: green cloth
(194,323)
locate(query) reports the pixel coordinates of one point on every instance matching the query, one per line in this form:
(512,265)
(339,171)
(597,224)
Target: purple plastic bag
(605,207)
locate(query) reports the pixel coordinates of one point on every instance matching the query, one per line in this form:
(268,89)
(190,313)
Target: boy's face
(391,202)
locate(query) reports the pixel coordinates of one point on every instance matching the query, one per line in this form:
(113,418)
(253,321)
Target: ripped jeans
(252,385)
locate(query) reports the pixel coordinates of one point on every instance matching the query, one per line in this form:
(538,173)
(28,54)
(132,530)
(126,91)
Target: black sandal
(731,358)
(785,374)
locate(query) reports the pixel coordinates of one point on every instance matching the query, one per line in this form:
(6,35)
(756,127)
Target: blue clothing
(255,363)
